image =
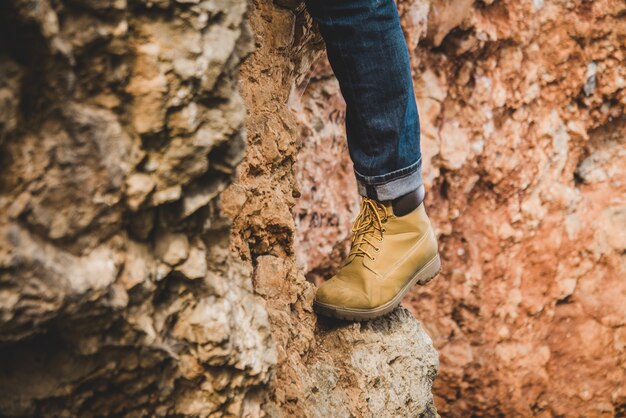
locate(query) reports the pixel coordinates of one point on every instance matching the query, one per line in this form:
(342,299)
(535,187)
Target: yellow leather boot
(389,254)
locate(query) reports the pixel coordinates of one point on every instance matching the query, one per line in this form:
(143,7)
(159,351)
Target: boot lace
(368,228)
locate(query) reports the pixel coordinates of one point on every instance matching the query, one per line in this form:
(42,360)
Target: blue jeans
(368,53)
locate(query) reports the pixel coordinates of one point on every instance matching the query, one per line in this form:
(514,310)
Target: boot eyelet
(377,249)
(383,230)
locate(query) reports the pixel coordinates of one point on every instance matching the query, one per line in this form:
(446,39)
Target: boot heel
(429,271)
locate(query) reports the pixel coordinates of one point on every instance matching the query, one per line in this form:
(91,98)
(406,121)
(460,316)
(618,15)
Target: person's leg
(368,53)
(393,244)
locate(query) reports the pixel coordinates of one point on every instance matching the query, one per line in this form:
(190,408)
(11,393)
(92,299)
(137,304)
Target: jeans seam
(389,177)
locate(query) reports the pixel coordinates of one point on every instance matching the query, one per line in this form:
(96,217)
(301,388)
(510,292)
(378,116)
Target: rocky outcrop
(383,367)
(121,124)
(121,129)
(523,137)
(323,369)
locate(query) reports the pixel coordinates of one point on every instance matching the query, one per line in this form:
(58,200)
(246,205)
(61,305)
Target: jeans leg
(368,53)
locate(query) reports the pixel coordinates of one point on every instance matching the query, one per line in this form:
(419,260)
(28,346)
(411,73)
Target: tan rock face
(119,126)
(523,137)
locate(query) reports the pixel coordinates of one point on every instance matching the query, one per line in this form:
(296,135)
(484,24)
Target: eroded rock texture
(323,369)
(524,149)
(120,124)
(121,128)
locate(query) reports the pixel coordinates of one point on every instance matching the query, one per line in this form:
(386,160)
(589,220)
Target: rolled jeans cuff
(391,185)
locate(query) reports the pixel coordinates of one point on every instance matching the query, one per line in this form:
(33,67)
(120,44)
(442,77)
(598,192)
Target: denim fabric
(368,53)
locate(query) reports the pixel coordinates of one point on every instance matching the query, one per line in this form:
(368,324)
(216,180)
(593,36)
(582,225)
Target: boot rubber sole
(423,276)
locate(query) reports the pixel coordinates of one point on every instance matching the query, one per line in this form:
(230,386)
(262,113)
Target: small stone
(138,187)
(170,194)
(455,145)
(162,271)
(186,120)
(186,68)
(195,267)
(565,287)
(19,204)
(139,266)
(172,248)
(506,231)
(199,196)
(590,83)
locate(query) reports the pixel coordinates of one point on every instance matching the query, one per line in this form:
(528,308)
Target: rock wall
(523,140)
(121,128)
(121,123)
(324,368)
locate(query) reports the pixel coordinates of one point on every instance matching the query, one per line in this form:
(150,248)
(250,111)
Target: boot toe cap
(336,293)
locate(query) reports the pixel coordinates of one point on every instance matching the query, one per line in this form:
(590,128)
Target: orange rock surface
(524,150)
